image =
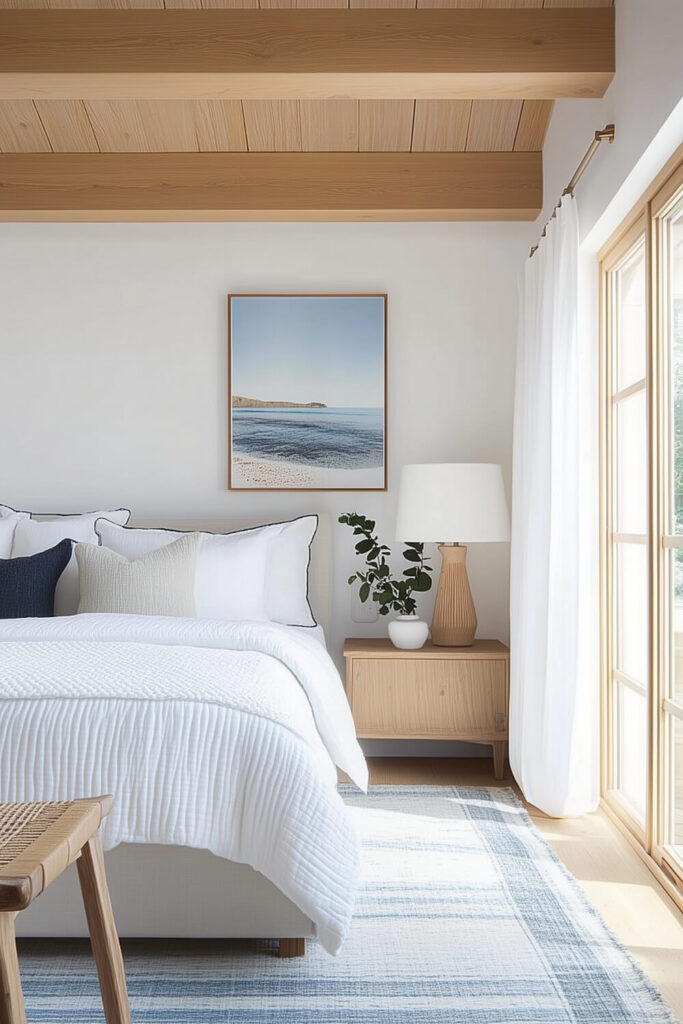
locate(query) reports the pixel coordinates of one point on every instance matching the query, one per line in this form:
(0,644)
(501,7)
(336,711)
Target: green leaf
(351,579)
(411,556)
(362,546)
(364,592)
(423,582)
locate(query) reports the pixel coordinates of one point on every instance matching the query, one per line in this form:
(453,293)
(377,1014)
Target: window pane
(631,489)
(676,640)
(632,604)
(676,342)
(631,748)
(630,320)
(672,340)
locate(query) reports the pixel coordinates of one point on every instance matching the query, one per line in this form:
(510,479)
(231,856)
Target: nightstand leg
(499,759)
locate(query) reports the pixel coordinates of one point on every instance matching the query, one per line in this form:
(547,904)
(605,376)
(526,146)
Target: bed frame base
(172,892)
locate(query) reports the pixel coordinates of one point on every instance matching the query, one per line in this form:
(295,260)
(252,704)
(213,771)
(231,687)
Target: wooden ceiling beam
(424,53)
(270,186)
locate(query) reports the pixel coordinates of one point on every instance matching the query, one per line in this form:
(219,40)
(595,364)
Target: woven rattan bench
(38,841)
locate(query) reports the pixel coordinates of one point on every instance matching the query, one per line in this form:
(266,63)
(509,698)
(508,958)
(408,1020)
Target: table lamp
(453,503)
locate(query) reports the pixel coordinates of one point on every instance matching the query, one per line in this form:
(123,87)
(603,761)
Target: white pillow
(33,535)
(230,574)
(161,583)
(7,527)
(287,570)
(251,574)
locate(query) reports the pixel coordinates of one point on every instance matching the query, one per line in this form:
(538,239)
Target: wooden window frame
(623,247)
(645,222)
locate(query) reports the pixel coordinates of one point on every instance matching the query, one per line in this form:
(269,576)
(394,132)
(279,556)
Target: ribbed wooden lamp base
(455,620)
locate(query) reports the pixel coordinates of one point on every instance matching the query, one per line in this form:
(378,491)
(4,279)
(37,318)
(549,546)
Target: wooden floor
(616,881)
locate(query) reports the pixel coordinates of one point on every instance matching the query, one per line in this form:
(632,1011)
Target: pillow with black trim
(260,573)
(36,532)
(27,584)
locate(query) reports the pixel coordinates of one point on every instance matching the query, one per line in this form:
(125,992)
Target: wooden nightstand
(436,693)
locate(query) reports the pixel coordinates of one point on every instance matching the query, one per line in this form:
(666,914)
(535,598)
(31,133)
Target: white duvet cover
(210,734)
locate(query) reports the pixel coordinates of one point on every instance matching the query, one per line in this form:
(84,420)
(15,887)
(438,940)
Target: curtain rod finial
(606,135)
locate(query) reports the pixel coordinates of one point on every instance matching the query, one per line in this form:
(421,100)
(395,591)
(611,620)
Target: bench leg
(103,935)
(499,759)
(11,999)
(291,947)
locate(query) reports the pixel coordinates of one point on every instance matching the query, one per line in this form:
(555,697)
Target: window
(642,524)
(668,249)
(628,525)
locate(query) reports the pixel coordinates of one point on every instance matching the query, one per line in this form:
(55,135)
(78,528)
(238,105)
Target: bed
(221,743)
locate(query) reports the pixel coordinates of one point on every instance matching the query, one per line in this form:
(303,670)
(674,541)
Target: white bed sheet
(216,735)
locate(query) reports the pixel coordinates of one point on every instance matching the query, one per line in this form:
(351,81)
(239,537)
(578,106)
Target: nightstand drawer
(429,698)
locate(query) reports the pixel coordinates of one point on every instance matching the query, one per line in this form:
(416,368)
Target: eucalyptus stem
(376,582)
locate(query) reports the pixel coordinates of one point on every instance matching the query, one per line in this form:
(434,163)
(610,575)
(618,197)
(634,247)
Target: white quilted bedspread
(216,735)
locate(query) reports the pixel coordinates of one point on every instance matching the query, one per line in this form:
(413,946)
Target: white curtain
(554,697)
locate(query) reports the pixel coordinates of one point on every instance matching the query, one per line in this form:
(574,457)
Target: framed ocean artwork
(307,383)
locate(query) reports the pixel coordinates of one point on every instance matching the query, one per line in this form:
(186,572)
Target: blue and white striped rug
(465,916)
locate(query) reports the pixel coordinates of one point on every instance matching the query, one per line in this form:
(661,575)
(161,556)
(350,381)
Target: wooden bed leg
(291,947)
(499,759)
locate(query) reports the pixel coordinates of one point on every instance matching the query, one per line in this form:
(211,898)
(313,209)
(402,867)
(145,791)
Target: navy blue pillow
(27,584)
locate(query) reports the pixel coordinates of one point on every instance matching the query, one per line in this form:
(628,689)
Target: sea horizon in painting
(313,368)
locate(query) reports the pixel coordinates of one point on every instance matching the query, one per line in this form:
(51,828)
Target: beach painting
(307,384)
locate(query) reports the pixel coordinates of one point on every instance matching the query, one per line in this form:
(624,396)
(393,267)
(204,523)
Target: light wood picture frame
(307,391)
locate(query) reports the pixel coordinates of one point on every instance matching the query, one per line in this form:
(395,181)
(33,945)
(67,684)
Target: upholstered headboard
(320,569)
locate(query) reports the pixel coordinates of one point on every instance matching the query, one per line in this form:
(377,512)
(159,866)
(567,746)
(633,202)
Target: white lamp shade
(460,502)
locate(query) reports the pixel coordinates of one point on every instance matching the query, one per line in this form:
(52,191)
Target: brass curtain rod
(606,135)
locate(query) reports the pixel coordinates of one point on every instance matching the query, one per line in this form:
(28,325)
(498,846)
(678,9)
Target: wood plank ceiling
(290,125)
(81,129)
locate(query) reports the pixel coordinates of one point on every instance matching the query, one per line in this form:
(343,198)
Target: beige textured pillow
(161,583)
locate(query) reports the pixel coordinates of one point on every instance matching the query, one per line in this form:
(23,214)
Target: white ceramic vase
(408,632)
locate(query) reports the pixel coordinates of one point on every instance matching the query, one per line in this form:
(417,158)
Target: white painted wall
(113,363)
(646,88)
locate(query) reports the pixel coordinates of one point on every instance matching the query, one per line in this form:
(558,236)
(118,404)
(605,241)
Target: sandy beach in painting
(250,472)
(296,447)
